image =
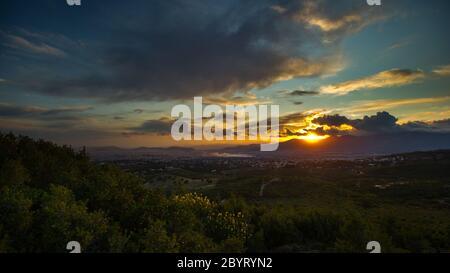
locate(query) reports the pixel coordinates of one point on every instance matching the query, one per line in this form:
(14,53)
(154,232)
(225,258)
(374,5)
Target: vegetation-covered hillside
(50,195)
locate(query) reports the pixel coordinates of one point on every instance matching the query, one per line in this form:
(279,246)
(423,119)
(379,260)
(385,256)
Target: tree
(63,219)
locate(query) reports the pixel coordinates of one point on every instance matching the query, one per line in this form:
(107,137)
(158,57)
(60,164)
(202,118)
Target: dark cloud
(381,122)
(333,131)
(332,120)
(15,111)
(160,126)
(443,123)
(292,118)
(180,49)
(434,126)
(7,110)
(148,111)
(79,136)
(32,119)
(59,111)
(303,93)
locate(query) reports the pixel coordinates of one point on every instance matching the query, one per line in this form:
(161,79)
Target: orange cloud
(312,15)
(389,78)
(378,105)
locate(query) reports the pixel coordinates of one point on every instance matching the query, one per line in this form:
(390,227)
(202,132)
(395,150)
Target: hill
(345,146)
(50,195)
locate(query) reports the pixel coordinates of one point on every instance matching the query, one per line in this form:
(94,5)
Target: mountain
(356,145)
(116,153)
(332,147)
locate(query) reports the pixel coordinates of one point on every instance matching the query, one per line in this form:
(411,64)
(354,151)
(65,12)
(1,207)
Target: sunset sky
(109,72)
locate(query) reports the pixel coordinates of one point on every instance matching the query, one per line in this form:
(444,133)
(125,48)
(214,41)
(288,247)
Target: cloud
(382,122)
(437,113)
(439,126)
(442,71)
(388,78)
(18,42)
(78,137)
(177,50)
(399,45)
(7,110)
(65,110)
(247,99)
(331,19)
(322,123)
(444,123)
(139,78)
(148,111)
(14,111)
(52,124)
(384,79)
(295,93)
(378,105)
(160,126)
(293,118)
(311,16)
(332,120)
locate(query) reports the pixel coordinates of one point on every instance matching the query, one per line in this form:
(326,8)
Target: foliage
(50,195)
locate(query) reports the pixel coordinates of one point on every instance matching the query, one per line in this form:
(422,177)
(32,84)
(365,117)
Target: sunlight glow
(313,138)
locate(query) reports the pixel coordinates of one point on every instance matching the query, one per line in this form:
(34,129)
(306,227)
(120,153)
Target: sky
(107,73)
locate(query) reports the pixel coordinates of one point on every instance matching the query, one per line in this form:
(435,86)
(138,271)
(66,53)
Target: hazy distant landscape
(332,148)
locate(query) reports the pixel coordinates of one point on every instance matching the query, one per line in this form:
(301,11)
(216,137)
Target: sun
(313,138)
